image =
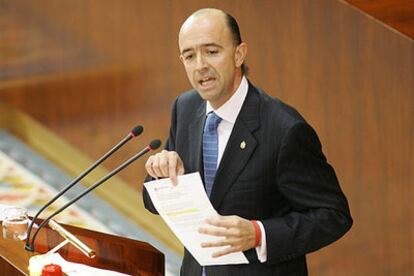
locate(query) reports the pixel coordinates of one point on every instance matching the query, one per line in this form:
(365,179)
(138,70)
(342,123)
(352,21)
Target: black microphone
(152,146)
(136,131)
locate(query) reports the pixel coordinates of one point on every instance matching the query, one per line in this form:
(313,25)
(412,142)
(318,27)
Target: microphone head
(155,144)
(137,131)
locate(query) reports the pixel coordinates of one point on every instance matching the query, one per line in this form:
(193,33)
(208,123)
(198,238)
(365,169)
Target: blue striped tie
(210,150)
(210,153)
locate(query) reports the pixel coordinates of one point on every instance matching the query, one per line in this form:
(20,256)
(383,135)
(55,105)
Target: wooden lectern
(112,253)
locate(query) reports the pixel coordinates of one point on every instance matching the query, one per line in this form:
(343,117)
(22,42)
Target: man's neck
(233,89)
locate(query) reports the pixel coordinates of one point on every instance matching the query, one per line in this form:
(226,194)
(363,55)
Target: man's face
(210,57)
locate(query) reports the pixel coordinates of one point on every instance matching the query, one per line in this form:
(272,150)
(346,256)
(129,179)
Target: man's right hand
(165,164)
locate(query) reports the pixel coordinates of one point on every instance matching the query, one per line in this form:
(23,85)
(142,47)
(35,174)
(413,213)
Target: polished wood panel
(398,14)
(350,75)
(113,253)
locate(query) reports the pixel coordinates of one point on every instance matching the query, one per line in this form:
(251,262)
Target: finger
(148,166)
(180,167)
(172,167)
(215,231)
(220,221)
(223,221)
(156,165)
(163,161)
(223,232)
(226,251)
(217,243)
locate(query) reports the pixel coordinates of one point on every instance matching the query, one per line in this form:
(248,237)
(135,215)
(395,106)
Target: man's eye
(212,52)
(188,57)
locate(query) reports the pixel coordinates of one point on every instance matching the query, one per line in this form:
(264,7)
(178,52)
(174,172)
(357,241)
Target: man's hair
(235,32)
(233,27)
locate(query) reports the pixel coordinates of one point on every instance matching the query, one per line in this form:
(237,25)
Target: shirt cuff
(261,250)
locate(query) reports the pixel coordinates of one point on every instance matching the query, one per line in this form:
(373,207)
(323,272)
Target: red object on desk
(52,270)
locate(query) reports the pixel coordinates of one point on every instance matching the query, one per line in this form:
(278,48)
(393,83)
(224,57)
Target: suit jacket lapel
(235,157)
(195,133)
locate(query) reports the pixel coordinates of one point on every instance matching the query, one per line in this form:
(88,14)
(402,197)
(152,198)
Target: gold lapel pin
(243,145)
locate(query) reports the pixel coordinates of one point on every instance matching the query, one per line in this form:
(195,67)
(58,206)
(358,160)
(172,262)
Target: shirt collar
(230,109)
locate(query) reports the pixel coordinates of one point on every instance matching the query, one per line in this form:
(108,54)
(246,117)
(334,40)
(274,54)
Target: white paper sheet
(69,268)
(184,208)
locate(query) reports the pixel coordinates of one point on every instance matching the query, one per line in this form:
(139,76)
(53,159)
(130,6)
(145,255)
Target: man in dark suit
(263,166)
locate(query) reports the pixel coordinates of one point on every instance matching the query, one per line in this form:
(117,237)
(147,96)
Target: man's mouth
(206,81)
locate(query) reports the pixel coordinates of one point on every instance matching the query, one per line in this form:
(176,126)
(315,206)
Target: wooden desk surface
(14,259)
(112,253)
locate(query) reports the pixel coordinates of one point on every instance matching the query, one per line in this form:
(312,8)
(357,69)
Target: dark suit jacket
(281,178)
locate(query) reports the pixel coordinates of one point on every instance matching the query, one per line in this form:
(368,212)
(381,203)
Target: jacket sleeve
(170,146)
(320,213)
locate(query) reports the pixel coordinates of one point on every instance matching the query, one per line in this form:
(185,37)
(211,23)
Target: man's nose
(201,62)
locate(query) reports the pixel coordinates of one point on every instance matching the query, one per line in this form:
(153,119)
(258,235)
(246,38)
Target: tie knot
(212,122)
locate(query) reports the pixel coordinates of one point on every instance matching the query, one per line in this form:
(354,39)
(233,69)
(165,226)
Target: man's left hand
(239,234)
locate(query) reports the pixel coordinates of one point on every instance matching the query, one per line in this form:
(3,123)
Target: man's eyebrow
(202,45)
(186,50)
(212,44)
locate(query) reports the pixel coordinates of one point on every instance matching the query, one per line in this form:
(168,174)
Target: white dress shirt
(229,112)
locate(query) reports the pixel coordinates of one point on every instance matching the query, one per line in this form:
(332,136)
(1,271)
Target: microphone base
(29,248)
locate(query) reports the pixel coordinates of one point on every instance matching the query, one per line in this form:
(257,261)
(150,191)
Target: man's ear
(240,54)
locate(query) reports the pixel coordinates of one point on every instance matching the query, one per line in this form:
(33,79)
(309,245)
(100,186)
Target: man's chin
(206,94)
